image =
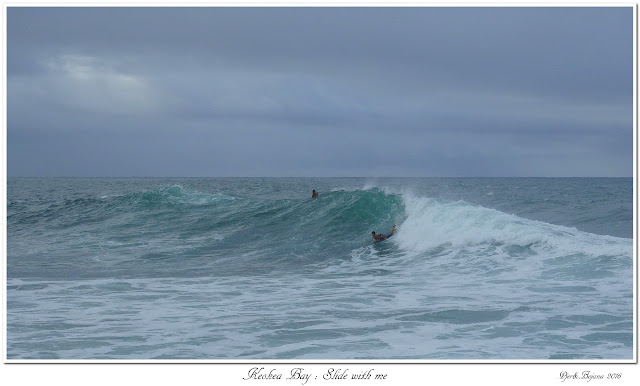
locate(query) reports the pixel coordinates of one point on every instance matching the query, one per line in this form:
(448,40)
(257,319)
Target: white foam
(432,223)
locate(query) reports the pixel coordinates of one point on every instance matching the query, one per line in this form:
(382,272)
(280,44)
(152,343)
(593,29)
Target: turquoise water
(253,268)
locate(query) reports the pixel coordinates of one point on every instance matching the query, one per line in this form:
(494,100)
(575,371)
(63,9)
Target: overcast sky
(320,91)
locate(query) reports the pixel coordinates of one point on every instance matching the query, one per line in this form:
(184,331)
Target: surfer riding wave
(380,236)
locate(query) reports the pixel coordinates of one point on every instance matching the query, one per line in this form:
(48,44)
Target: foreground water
(253,268)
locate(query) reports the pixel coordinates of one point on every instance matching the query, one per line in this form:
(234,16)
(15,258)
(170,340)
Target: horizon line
(320,176)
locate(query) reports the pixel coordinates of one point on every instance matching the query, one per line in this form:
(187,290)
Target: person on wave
(314,194)
(380,236)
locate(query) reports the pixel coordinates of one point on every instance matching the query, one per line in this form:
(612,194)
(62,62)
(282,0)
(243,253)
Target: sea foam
(431,223)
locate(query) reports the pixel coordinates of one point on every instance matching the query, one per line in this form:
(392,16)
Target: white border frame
(440,368)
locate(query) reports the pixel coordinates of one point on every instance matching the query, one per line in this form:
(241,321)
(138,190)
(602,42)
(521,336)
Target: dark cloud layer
(320,91)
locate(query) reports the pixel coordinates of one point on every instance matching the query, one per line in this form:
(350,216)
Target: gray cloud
(320,91)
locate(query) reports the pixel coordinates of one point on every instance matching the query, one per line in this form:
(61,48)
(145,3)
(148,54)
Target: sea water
(253,268)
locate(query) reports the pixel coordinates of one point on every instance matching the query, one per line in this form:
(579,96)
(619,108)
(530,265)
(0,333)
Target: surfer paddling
(314,194)
(380,236)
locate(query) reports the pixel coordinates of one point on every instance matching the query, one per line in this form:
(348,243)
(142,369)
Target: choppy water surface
(253,268)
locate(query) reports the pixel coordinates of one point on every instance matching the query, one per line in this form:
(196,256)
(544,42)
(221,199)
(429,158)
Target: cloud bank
(320,91)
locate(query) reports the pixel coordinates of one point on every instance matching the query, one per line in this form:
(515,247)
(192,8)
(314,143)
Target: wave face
(478,269)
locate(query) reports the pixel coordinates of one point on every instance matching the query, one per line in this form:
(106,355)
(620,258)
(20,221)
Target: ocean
(255,269)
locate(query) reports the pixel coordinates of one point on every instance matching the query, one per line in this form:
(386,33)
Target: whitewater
(254,268)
